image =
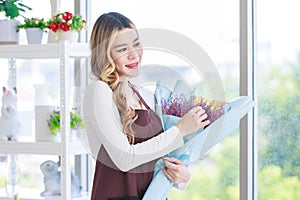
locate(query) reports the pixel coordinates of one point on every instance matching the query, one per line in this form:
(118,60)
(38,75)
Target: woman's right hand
(193,120)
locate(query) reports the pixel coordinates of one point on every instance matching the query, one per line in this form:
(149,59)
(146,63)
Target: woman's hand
(193,120)
(176,171)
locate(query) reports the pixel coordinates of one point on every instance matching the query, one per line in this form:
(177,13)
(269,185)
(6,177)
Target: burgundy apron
(113,184)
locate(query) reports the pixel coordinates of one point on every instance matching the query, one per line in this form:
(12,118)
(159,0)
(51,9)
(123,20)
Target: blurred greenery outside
(217,176)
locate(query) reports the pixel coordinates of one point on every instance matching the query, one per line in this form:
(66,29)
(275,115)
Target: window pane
(214,26)
(278,81)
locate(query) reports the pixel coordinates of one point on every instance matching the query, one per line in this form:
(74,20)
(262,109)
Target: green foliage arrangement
(13,8)
(76,122)
(34,23)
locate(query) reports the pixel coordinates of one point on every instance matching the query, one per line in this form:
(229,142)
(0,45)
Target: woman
(124,133)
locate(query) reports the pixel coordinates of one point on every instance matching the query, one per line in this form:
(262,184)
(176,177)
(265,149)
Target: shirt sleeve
(180,186)
(103,123)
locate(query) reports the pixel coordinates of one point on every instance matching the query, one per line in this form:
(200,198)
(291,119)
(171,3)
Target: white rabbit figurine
(9,120)
(52,180)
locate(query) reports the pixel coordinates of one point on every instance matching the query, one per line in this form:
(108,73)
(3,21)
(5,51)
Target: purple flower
(178,105)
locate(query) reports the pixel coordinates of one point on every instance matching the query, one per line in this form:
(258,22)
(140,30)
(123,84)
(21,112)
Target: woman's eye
(122,50)
(137,44)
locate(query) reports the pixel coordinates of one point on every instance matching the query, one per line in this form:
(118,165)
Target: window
(278,67)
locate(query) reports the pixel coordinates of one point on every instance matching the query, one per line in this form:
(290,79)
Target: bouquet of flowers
(76,122)
(171,106)
(179,104)
(66,21)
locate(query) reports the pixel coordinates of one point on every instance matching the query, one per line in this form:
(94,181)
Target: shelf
(41,148)
(46,198)
(67,147)
(34,194)
(32,51)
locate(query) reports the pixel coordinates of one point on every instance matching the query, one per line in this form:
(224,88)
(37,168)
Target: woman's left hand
(176,171)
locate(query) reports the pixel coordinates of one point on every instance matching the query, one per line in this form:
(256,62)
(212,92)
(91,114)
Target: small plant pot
(71,36)
(42,132)
(52,38)
(34,35)
(8,32)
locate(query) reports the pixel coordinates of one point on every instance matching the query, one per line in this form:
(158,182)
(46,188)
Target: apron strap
(139,96)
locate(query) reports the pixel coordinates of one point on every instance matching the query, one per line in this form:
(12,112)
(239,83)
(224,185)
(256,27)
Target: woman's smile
(133,65)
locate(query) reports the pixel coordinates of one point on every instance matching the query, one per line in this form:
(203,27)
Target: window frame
(248,125)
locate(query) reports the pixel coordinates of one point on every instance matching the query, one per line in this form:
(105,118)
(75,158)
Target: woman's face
(127,53)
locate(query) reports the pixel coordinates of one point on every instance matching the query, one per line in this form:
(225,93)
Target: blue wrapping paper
(197,145)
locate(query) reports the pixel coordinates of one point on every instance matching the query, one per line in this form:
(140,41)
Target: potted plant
(76,122)
(8,27)
(66,26)
(34,29)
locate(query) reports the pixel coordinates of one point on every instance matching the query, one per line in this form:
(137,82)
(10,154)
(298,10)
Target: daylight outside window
(278,80)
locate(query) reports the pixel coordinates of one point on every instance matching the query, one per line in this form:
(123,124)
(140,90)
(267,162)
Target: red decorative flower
(64,26)
(66,21)
(54,26)
(67,16)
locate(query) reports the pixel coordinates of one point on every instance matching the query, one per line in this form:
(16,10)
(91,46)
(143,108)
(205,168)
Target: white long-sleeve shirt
(103,125)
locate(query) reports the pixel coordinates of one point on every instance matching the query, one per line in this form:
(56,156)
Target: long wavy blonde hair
(103,67)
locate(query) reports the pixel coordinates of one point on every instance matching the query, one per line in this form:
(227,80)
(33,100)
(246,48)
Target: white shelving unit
(33,194)
(63,51)
(44,50)
(44,148)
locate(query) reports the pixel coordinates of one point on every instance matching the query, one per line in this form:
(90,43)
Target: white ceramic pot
(42,132)
(34,35)
(8,32)
(71,36)
(55,8)
(52,38)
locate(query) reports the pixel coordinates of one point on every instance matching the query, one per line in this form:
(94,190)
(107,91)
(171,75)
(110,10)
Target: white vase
(52,38)
(71,36)
(42,132)
(74,136)
(34,35)
(42,95)
(75,100)
(8,32)
(55,8)
(44,105)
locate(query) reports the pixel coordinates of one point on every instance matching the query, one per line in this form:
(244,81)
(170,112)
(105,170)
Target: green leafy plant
(76,122)
(34,23)
(66,21)
(13,8)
